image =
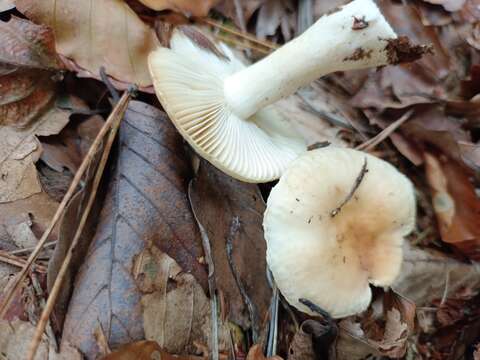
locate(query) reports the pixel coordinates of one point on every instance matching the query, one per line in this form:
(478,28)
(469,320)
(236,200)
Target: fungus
(225,109)
(334,224)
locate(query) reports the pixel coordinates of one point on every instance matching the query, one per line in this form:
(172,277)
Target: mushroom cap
(330,260)
(189,82)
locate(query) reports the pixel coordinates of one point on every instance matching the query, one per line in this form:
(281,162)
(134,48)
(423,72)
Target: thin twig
(212,286)
(117,114)
(30,249)
(243,35)
(445,290)
(377,139)
(357,183)
(234,227)
(318,310)
(273,323)
(242,45)
(71,191)
(18,261)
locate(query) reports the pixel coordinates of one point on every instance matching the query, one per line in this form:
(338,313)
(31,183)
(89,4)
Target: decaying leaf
(146,205)
(145,350)
(187,7)
(235,9)
(98,33)
(456,204)
(425,274)
(232,213)
(176,311)
(383,330)
(312,341)
(16,338)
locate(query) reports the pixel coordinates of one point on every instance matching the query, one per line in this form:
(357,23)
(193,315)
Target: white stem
(353,37)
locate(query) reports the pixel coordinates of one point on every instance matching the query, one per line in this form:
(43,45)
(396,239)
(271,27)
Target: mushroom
(224,108)
(334,224)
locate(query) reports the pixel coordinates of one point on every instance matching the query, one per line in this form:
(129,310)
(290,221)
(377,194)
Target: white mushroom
(222,107)
(334,224)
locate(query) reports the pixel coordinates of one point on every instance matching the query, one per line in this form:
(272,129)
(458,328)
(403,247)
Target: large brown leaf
(232,213)
(146,205)
(97,33)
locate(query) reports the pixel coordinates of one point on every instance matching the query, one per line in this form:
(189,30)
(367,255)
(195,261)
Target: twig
(71,191)
(273,324)
(234,227)
(377,139)
(114,119)
(242,45)
(445,290)
(18,261)
(357,183)
(317,309)
(244,35)
(30,249)
(212,286)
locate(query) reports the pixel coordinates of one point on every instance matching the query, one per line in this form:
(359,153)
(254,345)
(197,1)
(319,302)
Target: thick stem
(353,37)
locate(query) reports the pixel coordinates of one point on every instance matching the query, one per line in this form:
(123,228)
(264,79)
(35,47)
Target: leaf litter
(156,299)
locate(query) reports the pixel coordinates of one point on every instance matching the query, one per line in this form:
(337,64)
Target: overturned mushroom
(223,109)
(334,224)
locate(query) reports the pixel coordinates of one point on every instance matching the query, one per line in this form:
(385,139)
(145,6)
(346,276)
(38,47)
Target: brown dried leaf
(256,353)
(231,212)
(187,7)
(102,33)
(456,204)
(145,350)
(383,330)
(425,274)
(19,152)
(146,204)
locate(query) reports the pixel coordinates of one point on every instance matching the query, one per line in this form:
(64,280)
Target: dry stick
(244,35)
(357,183)
(18,261)
(377,139)
(117,115)
(242,45)
(71,191)
(30,249)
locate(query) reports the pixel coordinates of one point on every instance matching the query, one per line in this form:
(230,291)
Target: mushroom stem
(354,37)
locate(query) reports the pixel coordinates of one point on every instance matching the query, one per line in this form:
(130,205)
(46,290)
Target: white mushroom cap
(331,260)
(189,82)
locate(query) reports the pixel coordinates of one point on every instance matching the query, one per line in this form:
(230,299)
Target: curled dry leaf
(383,330)
(456,204)
(101,33)
(187,7)
(232,213)
(146,205)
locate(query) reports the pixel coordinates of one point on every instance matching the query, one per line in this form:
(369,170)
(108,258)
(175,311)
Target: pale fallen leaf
(187,7)
(99,33)
(16,338)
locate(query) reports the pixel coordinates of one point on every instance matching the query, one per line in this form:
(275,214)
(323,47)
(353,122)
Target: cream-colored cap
(331,259)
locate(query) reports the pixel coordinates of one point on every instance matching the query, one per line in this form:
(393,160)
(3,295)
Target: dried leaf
(230,9)
(176,312)
(382,331)
(102,33)
(424,274)
(145,350)
(311,341)
(16,338)
(27,44)
(187,7)
(232,213)
(456,204)
(256,353)
(270,17)
(18,176)
(145,205)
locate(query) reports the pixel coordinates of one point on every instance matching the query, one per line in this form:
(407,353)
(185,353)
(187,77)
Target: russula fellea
(334,224)
(225,109)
